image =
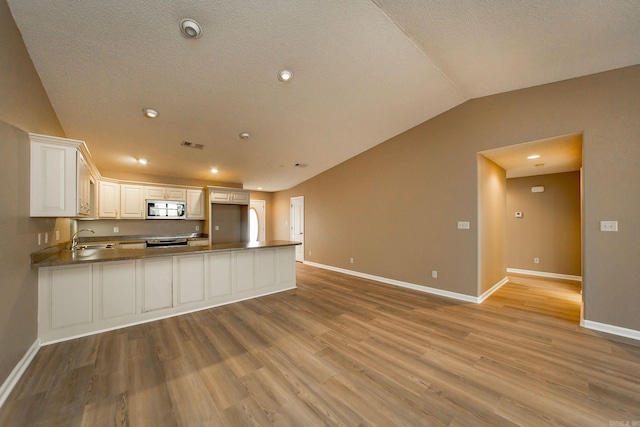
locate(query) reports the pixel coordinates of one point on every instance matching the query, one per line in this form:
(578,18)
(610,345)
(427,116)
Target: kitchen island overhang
(104,289)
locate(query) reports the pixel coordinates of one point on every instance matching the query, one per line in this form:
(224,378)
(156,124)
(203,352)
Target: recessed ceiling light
(150,112)
(214,170)
(142,161)
(259,188)
(244,135)
(534,156)
(285,75)
(190,28)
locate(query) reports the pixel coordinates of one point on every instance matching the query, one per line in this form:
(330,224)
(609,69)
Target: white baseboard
(610,329)
(435,291)
(17,372)
(494,288)
(545,274)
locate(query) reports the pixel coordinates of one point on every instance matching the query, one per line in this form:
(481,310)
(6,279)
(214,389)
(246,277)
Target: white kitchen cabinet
(189,278)
(68,293)
(60,179)
(115,289)
(267,268)
(244,271)
(220,275)
(156,283)
(81,299)
(108,199)
(164,193)
(136,245)
(195,204)
(83,180)
(131,201)
(229,195)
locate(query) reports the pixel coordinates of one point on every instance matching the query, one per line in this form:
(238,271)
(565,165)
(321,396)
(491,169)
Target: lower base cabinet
(83,299)
(157,283)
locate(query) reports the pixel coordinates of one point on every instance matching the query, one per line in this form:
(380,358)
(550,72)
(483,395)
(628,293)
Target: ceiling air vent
(301,165)
(192,145)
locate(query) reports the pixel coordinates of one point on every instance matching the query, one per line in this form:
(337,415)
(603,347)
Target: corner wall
(394,208)
(25,107)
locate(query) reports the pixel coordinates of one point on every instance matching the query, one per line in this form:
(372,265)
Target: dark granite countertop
(56,256)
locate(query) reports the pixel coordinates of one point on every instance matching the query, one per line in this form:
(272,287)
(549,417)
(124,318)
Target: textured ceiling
(364,71)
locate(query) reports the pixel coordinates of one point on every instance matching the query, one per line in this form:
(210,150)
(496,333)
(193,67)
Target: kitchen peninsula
(88,291)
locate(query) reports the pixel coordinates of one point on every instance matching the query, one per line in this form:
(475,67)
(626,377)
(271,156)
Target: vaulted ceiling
(364,71)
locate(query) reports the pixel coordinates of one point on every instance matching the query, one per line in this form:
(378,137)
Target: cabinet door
(219,274)
(83,177)
(70,296)
(154,193)
(108,199)
(176,193)
(267,268)
(219,196)
(53,180)
(157,283)
(195,204)
(245,271)
(131,201)
(190,278)
(116,287)
(240,197)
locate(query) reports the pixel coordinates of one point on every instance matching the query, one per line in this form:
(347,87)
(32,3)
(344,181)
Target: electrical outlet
(197,228)
(57,235)
(116,229)
(46,238)
(536,260)
(217,227)
(608,225)
(351,260)
(39,239)
(434,274)
(463,225)
(309,253)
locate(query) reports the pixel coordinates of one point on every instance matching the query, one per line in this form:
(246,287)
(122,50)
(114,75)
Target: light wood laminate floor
(343,351)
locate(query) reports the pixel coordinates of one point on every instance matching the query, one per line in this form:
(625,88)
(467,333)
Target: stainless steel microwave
(166,209)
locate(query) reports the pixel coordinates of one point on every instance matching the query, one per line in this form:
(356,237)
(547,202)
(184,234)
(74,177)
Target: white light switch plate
(608,225)
(463,225)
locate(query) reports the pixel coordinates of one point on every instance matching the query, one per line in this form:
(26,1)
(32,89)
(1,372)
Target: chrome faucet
(74,239)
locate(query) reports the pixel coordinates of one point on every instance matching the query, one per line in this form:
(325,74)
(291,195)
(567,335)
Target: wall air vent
(192,145)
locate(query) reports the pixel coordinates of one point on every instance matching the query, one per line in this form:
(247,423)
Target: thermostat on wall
(538,189)
(518,214)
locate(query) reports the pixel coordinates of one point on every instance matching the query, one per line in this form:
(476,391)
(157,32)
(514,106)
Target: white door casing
(296,214)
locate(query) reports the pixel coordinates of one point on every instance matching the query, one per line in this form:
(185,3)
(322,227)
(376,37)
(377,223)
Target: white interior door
(297,225)
(257,227)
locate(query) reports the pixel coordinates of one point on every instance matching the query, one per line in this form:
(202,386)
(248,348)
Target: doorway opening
(531,193)
(296,217)
(257,221)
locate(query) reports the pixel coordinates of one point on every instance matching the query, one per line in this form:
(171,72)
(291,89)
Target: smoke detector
(190,28)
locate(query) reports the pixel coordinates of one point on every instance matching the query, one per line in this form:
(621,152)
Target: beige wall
(24,107)
(394,208)
(492,205)
(550,226)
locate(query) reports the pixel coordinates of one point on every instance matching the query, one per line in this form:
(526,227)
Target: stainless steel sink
(97,246)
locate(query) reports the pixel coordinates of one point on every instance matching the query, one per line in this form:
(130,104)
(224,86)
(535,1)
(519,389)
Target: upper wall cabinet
(229,195)
(108,199)
(195,204)
(131,201)
(164,193)
(61,179)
